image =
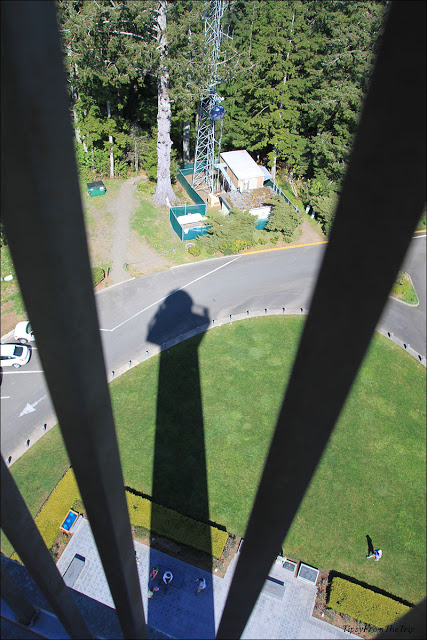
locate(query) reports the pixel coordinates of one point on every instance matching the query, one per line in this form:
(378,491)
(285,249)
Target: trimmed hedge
(175,526)
(168,523)
(98,275)
(363,604)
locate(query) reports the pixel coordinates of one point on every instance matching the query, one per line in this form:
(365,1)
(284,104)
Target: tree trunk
(110,140)
(164,194)
(186,141)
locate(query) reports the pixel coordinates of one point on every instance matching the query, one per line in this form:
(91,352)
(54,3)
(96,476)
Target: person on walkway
(377,554)
(201,585)
(151,592)
(167,578)
(154,572)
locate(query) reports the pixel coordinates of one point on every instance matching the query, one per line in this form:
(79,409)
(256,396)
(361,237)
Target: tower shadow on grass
(180,475)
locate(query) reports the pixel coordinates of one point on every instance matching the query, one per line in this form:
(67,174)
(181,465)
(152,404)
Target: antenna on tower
(211,110)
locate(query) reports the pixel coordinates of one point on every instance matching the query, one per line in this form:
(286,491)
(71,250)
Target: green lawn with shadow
(370,481)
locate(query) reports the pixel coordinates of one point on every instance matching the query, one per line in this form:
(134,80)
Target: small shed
(242,170)
(96,188)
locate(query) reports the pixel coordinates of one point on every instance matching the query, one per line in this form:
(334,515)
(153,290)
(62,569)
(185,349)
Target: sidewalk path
(122,207)
(181,614)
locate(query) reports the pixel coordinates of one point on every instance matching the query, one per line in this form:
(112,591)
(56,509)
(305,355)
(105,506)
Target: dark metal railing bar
(383,195)
(21,530)
(43,218)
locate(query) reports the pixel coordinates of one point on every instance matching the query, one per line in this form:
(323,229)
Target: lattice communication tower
(210,109)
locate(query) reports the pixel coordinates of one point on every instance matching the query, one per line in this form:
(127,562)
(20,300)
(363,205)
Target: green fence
(182,210)
(278,190)
(187,170)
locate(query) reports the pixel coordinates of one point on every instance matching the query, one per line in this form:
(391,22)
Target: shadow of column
(180,476)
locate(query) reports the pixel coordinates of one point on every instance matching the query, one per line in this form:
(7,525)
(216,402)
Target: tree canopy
(293,78)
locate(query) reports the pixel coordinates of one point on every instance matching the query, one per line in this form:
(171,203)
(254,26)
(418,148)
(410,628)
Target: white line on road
(416,237)
(29,408)
(170,294)
(4,397)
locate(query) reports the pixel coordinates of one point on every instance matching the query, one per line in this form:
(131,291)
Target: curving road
(218,288)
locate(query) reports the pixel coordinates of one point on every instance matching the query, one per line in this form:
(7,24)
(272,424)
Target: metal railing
(278,190)
(47,240)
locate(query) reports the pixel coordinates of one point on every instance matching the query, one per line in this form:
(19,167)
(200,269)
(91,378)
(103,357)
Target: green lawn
(371,480)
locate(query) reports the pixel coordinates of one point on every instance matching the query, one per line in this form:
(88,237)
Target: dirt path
(111,240)
(121,208)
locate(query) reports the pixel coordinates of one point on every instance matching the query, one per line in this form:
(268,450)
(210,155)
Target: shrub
(169,523)
(325,210)
(175,526)
(285,219)
(98,275)
(230,234)
(195,250)
(363,604)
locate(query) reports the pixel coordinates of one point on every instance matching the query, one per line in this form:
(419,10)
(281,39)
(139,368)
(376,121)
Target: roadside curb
(152,350)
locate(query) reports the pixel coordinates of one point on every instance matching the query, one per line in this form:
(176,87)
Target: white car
(23,332)
(14,355)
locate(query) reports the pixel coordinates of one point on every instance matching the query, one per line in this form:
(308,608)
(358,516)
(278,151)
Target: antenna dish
(217,113)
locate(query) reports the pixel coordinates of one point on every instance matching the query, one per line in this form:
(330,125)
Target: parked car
(14,355)
(23,332)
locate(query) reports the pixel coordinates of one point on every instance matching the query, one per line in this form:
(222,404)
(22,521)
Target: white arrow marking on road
(29,408)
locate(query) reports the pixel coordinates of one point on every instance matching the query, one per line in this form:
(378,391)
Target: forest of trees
(293,78)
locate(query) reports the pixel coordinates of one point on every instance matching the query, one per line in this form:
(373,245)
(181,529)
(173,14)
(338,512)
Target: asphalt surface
(139,314)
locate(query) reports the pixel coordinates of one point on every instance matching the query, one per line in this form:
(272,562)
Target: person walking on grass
(201,585)
(377,554)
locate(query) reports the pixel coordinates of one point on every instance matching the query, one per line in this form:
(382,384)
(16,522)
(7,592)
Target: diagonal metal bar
(43,219)
(383,195)
(20,528)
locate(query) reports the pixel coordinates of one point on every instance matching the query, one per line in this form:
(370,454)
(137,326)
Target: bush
(363,604)
(325,207)
(169,523)
(98,275)
(285,219)
(230,234)
(195,250)
(175,526)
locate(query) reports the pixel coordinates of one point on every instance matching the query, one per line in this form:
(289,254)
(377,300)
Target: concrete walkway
(179,613)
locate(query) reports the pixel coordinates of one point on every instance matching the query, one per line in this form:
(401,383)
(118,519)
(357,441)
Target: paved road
(217,288)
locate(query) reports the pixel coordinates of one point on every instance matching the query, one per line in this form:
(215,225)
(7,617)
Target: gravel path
(122,208)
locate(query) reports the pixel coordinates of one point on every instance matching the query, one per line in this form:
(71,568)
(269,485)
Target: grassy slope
(371,479)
